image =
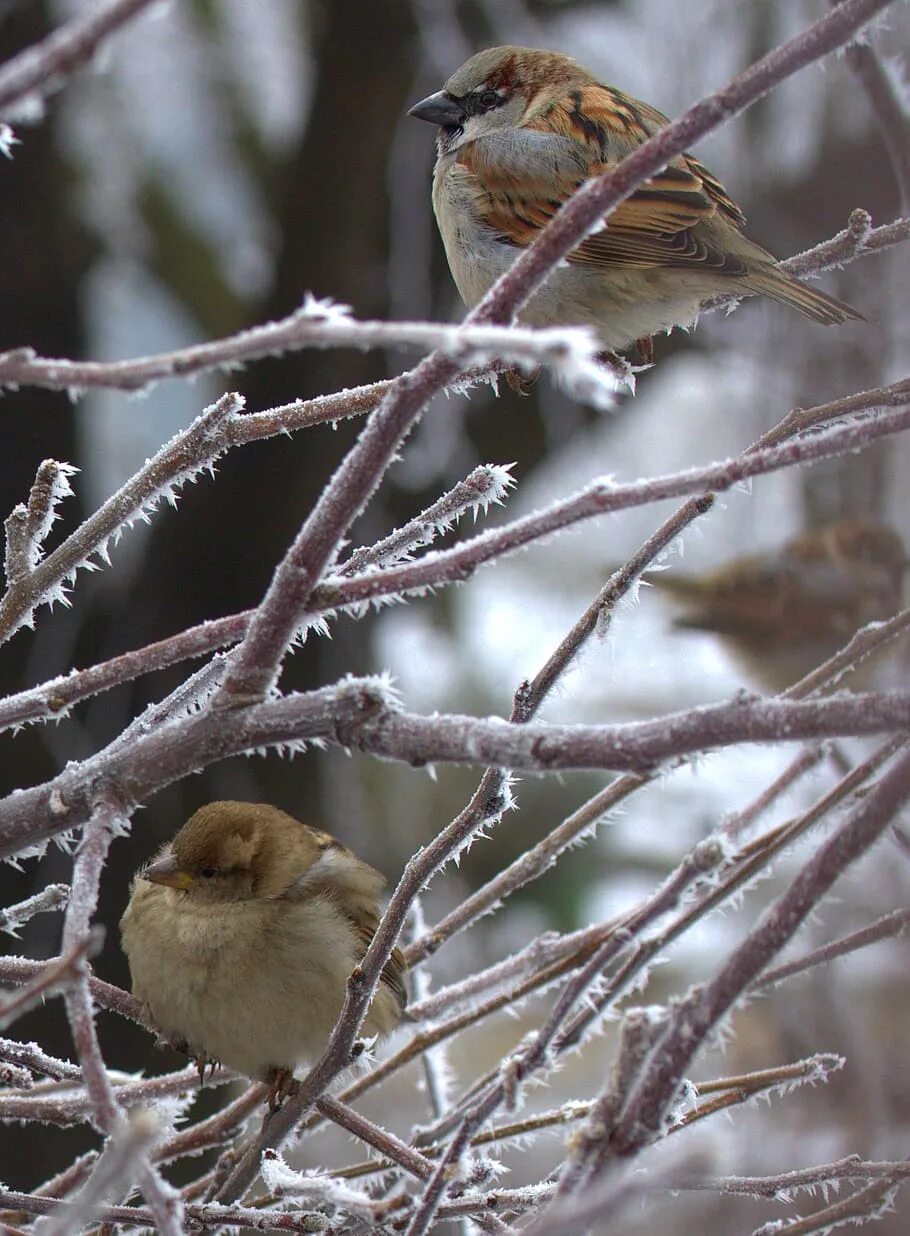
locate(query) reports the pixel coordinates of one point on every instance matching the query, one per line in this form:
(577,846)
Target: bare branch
(386,1143)
(359,714)
(31,1057)
(883,928)
(887,108)
(703,1009)
(124,1157)
(52,977)
(22,367)
(38,69)
(857,239)
(571,352)
(53,897)
(175,463)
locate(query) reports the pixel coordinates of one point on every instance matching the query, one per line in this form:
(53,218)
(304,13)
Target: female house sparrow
(241,935)
(519,131)
(783,614)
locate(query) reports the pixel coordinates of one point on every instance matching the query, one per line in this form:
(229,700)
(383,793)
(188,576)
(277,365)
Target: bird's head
(500,88)
(235,851)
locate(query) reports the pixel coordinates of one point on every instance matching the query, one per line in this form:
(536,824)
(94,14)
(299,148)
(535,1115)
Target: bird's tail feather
(811,302)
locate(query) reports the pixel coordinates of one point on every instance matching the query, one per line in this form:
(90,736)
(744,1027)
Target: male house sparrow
(782,614)
(241,935)
(519,131)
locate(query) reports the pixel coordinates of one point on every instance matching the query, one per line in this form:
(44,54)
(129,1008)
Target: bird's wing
(339,870)
(655,226)
(365,925)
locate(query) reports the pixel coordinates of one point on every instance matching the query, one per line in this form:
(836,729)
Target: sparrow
(520,130)
(241,935)
(781,614)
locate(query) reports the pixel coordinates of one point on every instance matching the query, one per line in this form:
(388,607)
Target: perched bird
(241,935)
(782,614)
(519,131)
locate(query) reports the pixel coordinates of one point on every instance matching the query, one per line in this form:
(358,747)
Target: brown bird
(782,614)
(520,130)
(241,935)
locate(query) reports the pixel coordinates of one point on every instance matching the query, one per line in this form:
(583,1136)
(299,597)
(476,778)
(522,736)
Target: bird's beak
(440,109)
(166,871)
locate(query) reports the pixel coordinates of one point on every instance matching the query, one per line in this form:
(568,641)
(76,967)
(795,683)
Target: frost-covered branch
(892,118)
(71,1105)
(872,1202)
(884,928)
(53,897)
(124,1158)
(810,1179)
(33,583)
(38,69)
(359,714)
(29,523)
(567,352)
(703,1009)
(857,239)
(528,866)
(45,979)
(116,1164)
(606,496)
(486,486)
(51,699)
(31,1058)
(571,353)
(735,872)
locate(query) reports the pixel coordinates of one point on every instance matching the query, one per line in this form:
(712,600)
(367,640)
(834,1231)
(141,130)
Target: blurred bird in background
(241,935)
(781,614)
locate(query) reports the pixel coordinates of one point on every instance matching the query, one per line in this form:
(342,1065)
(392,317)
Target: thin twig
(869,1203)
(37,69)
(50,977)
(52,897)
(176,462)
(115,1166)
(697,1017)
(883,928)
(51,699)
(887,108)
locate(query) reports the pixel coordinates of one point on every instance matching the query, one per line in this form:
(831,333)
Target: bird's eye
(208,873)
(488,99)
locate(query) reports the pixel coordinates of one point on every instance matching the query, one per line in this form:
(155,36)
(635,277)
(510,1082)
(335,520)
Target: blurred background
(220,160)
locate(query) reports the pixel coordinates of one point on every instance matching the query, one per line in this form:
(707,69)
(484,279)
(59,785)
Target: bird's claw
(282,1085)
(205,1062)
(519,382)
